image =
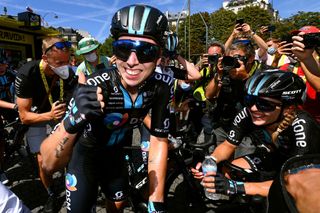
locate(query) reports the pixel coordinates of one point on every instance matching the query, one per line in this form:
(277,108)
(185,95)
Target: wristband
(156,207)
(15,107)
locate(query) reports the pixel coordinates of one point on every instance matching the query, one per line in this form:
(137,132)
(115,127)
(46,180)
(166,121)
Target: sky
(95,16)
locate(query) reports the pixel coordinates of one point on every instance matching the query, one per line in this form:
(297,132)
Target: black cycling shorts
(92,167)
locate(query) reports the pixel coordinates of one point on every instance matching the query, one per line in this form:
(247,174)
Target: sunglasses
(59,45)
(261,104)
(146,52)
(245,42)
(241,58)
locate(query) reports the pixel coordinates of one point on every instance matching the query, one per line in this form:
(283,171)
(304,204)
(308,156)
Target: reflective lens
(59,45)
(261,104)
(146,52)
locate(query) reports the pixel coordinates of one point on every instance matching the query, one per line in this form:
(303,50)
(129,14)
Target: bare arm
(192,71)
(224,151)
(28,117)
(157,166)
(6,105)
(258,188)
(56,149)
(257,39)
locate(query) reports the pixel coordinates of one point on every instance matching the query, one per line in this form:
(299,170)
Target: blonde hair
(49,41)
(285,123)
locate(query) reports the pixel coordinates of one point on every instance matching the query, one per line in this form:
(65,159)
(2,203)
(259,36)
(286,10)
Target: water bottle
(210,165)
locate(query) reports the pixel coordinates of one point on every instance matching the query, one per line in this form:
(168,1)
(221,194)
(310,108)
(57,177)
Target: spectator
(8,110)
(42,88)
(308,55)
(243,31)
(88,48)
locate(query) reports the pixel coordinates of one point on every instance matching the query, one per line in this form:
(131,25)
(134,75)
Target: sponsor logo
(241,115)
(291,92)
(71,182)
(95,81)
(114,120)
(299,132)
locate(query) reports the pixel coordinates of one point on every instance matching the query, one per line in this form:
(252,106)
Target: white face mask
(91,57)
(185,86)
(272,50)
(62,71)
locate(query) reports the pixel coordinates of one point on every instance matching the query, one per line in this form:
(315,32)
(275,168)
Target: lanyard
(88,65)
(46,86)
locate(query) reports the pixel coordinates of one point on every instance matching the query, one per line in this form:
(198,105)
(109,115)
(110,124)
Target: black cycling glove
(156,207)
(226,186)
(85,106)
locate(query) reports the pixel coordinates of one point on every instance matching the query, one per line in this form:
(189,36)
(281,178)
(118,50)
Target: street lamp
(205,24)
(46,23)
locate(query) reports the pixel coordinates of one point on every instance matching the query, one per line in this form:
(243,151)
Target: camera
(213,59)
(311,40)
(240,21)
(229,63)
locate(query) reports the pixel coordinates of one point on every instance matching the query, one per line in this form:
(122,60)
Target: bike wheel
(181,197)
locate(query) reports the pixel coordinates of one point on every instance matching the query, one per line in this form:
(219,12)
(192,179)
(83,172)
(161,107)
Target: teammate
(277,128)
(114,101)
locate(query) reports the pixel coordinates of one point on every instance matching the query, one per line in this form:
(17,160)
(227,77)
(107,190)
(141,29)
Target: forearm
(229,41)
(261,44)
(192,71)
(212,89)
(157,166)
(224,151)
(312,78)
(32,118)
(56,149)
(6,105)
(258,188)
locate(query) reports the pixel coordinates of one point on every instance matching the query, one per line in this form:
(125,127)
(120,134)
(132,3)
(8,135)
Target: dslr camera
(229,63)
(311,40)
(213,59)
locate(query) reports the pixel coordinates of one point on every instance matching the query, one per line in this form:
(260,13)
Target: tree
(106,47)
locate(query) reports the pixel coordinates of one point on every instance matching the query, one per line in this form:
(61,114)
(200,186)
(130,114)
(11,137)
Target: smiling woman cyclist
(278,129)
(104,111)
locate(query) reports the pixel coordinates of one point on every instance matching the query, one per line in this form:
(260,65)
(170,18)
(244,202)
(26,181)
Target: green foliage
(221,24)
(106,47)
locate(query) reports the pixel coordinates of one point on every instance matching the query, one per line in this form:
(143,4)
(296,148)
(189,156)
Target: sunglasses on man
(261,104)
(61,45)
(145,51)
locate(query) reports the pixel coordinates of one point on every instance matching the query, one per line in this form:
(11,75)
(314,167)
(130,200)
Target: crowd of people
(257,100)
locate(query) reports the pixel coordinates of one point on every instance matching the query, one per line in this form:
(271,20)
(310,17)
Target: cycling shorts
(91,167)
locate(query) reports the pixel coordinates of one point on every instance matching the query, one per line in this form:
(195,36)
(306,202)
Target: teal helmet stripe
(261,83)
(251,84)
(130,27)
(143,21)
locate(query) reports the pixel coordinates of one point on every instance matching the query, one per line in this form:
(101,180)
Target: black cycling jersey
(301,137)
(122,114)
(29,84)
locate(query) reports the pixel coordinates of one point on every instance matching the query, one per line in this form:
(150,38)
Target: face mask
(271,50)
(185,87)
(91,57)
(62,72)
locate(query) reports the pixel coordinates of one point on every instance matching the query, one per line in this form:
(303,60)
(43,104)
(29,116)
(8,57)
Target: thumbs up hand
(87,104)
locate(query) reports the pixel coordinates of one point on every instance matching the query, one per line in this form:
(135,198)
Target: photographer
(307,66)
(243,31)
(232,72)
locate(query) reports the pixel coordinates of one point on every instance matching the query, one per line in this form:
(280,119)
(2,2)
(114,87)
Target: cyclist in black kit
(278,129)
(112,102)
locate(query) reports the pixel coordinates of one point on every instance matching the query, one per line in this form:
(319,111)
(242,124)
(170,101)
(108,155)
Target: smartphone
(311,40)
(271,28)
(240,21)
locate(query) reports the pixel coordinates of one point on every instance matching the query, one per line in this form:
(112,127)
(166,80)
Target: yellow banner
(11,36)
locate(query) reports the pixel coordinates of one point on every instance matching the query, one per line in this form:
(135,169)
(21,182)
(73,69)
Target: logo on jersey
(114,120)
(71,182)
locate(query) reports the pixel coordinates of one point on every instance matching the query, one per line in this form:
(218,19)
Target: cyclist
(91,135)
(277,128)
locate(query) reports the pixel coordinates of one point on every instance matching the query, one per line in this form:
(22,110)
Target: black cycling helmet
(285,86)
(139,20)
